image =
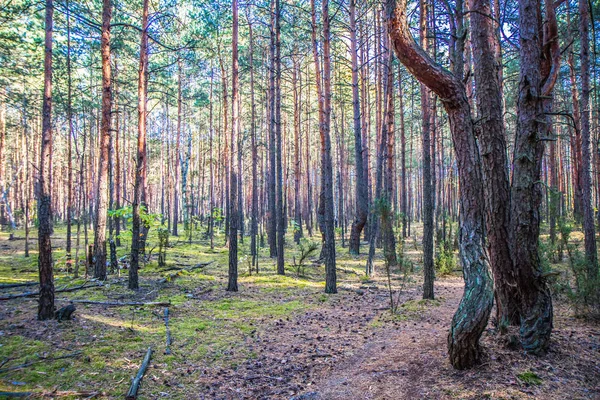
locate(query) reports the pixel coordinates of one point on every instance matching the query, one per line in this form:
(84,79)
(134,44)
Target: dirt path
(397,364)
(409,361)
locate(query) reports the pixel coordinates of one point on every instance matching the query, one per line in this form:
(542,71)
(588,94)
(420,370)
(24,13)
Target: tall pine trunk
(46,299)
(361,193)
(105,134)
(232,285)
(141,165)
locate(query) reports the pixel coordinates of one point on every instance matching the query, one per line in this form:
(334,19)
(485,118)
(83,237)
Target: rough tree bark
(279,212)
(102,187)
(539,54)
(272,214)
(176,184)
(140,170)
(232,285)
(254,212)
(588,212)
(428,206)
(473,312)
(324,94)
(361,185)
(46,299)
(492,139)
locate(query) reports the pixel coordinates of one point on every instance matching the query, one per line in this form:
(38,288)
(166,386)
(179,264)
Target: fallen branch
(36,293)
(135,384)
(119,304)
(200,265)
(170,277)
(14,394)
(42,359)
(71,393)
(14,285)
(168,332)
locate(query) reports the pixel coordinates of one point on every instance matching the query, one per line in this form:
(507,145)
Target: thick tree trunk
(46,300)
(361,193)
(536,83)
(105,134)
(473,312)
(141,165)
(492,139)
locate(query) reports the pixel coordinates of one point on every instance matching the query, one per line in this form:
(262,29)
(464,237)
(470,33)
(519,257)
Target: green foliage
(584,295)
(163,243)
(148,219)
(445,260)
(306,248)
(530,378)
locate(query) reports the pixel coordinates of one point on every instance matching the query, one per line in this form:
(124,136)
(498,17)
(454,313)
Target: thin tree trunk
(279,212)
(232,285)
(69,142)
(177,155)
(141,165)
(46,299)
(255,189)
(361,192)
(324,93)
(428,268)
(588,212)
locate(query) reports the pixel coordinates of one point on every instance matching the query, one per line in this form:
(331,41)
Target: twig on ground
(135,383)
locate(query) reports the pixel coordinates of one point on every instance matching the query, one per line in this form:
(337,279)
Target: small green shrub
(445,261)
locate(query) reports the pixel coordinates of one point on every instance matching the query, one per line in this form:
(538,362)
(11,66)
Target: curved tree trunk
(473,312)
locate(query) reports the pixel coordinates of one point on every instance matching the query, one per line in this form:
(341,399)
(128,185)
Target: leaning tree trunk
(102,188)
(492,139)
(46,299)
(473,312)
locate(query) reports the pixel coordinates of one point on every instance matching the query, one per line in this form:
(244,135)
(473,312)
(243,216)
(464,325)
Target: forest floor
(279,337)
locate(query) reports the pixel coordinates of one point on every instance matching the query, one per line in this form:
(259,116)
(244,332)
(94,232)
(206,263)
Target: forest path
(400,363)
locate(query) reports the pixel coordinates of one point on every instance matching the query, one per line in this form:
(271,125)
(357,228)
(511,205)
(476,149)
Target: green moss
(530,378)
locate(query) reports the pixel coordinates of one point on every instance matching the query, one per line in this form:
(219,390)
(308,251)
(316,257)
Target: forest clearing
(300,199)
(279,337)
